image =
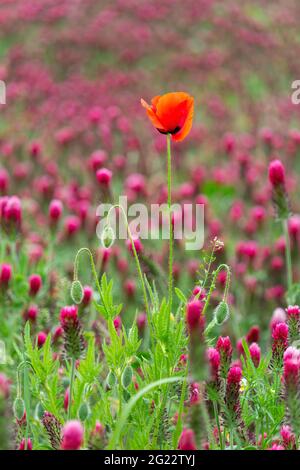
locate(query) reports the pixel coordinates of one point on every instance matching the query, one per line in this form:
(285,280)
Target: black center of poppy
(174,131)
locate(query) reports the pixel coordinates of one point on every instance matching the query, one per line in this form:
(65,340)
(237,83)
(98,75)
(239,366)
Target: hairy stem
(170,228)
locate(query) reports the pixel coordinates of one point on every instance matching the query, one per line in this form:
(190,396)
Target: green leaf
(126,378)
(180,295)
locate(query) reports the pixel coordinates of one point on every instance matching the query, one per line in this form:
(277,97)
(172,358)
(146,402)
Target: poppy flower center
(174,131)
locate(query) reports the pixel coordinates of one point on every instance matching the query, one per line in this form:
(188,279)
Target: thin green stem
(26,385)
(71,387)
(213,282)
(170,227)
(94,271)
(216,413)
(288,255)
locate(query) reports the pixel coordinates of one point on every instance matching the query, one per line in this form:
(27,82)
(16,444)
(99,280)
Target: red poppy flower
(171,113)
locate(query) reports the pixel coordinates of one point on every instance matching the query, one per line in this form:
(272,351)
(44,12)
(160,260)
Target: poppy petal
(187,125)
(172,110)
(152,116)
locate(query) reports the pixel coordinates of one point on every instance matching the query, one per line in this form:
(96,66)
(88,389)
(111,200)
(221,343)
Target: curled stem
(138,266)
(213,284)
(93,267)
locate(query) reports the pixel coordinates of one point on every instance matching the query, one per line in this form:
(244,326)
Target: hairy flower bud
(72,435)
(73,338)
(254,350)
(280,342)
(53,428)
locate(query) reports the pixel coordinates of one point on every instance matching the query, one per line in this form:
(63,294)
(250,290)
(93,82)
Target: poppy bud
(221,313)
(111,380)
(77,292)
(19,408)
(83,412)
(126,378)
(107,237)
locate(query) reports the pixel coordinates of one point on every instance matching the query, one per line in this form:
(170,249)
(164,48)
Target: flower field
(136,342)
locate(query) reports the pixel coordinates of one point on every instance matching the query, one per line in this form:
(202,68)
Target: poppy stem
(170,227)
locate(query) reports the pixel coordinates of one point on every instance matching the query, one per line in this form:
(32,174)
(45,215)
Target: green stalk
(26,400)
(170,227)
(288,258)
(213,283)
(138,266)
(218,424)
(71,386)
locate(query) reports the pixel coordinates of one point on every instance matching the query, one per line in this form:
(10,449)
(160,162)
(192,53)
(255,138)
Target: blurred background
(75,71)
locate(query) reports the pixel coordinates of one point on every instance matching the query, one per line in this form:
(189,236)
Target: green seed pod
(83,412)
(111,380)
(76,292)
(127,376)
(107,237)
(39,411)
(221,313)
(65,382)
(19,408)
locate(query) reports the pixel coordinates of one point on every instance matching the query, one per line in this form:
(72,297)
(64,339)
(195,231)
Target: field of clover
(139,343)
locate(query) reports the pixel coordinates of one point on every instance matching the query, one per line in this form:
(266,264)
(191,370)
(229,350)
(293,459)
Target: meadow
(139,343)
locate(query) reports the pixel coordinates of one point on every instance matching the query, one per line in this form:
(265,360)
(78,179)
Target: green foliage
(107,309)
